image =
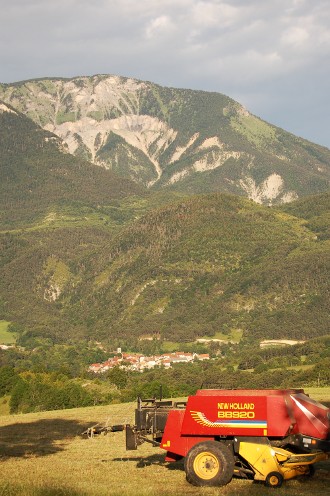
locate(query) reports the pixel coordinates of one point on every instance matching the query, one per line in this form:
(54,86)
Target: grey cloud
(271,56)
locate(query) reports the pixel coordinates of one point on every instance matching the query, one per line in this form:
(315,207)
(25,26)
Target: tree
(8,379)
(118,377)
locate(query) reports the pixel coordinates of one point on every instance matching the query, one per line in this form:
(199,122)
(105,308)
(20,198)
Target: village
(139,362)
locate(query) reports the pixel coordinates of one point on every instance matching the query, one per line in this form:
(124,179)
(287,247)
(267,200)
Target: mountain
(211,263)
(197,267)
(173,139)
(86,254)
(56,212)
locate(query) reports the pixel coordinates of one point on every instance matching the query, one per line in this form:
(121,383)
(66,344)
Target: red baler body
(220,414)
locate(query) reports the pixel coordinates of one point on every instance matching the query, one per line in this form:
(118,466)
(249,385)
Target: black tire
(274,479)
(210,463)
(311,471)
(307,475)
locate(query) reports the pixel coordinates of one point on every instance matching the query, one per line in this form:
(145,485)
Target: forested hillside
(86,255)
(38,175)
(210,264)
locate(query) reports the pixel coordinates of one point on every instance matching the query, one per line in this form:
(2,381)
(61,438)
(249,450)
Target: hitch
(97,429)
(150,420)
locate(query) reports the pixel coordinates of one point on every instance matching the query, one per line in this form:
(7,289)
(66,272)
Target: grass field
(43,454)
(233,337)
(6,337)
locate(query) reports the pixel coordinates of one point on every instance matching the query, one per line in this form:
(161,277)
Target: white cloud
(159,26)
(260,51)
(213,13)
(295,36)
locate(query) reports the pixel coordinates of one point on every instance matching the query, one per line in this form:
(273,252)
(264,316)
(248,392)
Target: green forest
(193,268)
(56,377)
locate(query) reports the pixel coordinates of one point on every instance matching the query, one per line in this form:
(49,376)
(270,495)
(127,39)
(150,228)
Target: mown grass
(43,454)
(4,405)
(235,335)
(6,337)
(321,394)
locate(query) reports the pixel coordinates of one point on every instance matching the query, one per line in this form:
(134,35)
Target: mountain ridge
(191,268)
(167,138)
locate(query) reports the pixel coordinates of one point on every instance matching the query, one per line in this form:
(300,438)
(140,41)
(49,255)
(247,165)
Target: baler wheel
(209,463)
(274,479)
(308,474)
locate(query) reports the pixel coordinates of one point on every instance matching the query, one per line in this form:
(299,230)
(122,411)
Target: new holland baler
(264,435)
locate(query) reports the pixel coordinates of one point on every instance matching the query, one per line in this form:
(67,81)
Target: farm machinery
(263,435)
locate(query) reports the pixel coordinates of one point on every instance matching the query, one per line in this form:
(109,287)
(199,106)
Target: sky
(272,56)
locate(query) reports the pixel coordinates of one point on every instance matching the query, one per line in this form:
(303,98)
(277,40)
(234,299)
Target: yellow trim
(206,465)
(201,419)
(266,459)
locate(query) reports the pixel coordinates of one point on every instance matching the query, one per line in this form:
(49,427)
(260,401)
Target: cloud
(295,36)
(252,50)
(209,14)
(199,30)
(159,26)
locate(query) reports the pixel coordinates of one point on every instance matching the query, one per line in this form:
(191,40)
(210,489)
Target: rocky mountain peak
(191,141)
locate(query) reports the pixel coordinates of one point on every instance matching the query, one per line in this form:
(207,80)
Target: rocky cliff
(190,141)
